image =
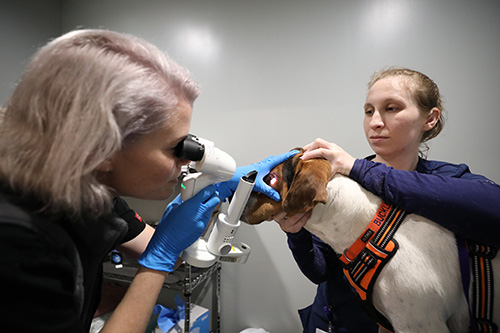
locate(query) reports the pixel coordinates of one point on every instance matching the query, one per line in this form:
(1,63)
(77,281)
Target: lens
(190,149)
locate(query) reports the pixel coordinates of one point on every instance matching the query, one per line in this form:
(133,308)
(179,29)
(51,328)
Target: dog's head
(301,185)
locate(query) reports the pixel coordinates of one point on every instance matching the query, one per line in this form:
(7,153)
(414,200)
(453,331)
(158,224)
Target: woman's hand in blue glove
(265,166)
(181,225)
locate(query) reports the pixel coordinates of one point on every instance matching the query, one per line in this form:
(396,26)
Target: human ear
(432,119)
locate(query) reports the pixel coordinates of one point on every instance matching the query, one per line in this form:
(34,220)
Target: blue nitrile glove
(265,166)
(180,226)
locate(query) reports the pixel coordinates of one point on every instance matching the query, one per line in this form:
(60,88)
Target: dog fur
(420,288)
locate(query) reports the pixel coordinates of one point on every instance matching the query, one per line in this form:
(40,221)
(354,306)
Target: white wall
(277,74)
(25,25)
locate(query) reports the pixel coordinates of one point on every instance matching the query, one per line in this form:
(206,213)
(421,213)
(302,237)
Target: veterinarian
(96,115)
(403,110)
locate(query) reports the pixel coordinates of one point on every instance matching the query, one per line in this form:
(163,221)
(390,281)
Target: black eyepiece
(190,149)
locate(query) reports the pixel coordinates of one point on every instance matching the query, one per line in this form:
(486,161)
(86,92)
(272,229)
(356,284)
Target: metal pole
(187,296)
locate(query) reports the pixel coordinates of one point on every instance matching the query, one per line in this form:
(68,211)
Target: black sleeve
(133,219)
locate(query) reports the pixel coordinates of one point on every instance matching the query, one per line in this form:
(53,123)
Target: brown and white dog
(419,289)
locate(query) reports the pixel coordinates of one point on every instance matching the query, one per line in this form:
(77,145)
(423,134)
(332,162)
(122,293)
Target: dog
(419,289)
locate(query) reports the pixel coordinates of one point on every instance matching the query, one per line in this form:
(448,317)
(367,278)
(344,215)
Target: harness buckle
(346,257)
(483,251)
(486,326)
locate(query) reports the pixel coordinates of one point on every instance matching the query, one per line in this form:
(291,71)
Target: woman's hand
(341,161)
(227,188)
(181,225)
(291,224)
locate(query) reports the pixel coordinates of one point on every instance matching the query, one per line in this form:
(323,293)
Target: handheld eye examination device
(211,165)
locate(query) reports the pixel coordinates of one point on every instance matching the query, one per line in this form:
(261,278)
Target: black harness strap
(482,286)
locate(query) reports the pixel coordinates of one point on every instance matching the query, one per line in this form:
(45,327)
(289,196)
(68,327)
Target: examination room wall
(277,74)
(25,25)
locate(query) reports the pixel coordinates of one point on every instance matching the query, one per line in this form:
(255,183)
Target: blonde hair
(424,91)
(83,97)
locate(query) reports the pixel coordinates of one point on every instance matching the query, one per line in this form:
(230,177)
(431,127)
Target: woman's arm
(467,204)
(181,225)
(134,311)
(134,248)
(314,258)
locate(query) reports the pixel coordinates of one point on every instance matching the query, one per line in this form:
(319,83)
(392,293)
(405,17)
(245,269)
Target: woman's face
(148,169)
(393,124)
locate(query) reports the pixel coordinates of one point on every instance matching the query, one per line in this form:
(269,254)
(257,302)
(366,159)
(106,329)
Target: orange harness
(365,259)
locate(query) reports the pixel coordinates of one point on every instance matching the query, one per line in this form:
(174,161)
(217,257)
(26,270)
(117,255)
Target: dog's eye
(271,179)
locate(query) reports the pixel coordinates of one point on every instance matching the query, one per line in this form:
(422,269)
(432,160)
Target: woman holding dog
(403,110)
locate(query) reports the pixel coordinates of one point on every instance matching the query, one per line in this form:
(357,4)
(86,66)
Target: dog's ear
(308,187)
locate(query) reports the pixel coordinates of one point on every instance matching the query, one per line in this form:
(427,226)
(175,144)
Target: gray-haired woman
(96,115)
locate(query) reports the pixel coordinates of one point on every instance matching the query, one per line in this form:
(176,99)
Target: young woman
(403,110)
(96,115)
